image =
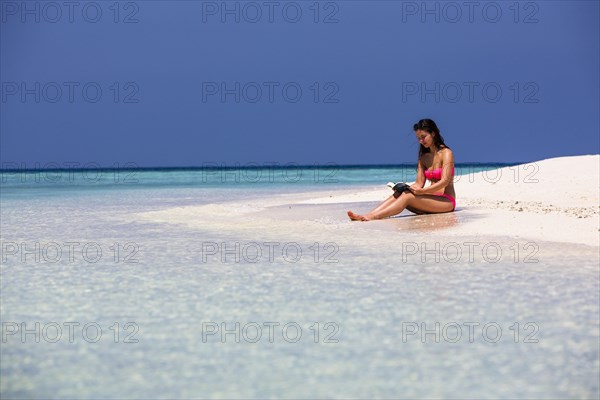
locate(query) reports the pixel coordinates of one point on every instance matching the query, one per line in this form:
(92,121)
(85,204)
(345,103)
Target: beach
(526,201)
(178,291)
(529,200)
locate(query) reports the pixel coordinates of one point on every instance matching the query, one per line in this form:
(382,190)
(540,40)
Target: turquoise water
(153,269)
(287,177)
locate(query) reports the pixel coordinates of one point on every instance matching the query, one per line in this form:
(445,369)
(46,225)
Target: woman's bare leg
(389,201)
(425,203)
(414,210)
(421,204)
(384,204)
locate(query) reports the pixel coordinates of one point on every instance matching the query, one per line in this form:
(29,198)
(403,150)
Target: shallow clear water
(518,319)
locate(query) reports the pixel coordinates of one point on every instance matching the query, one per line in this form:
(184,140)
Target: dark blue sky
(188,82)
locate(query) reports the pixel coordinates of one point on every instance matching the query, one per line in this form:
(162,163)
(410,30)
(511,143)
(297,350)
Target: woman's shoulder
(446,152)
(446,157)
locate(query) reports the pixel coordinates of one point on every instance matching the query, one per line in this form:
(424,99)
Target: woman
(436,163)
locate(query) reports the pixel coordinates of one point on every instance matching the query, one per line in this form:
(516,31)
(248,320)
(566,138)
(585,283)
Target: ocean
(231,283)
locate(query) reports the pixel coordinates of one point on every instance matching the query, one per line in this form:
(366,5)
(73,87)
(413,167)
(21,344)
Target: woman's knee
(409,196)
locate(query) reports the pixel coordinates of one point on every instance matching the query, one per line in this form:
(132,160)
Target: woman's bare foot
(356,217)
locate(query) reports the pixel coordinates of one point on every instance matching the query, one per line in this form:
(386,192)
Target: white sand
(555,199)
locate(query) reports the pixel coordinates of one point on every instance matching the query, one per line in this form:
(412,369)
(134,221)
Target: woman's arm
(420,182)
(447,174)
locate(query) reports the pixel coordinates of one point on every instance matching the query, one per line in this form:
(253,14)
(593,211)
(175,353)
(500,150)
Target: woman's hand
(416,189)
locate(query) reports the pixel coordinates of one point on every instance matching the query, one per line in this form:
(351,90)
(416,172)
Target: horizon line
(214,166)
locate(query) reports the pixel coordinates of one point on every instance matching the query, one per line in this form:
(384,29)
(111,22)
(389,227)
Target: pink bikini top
(435,174)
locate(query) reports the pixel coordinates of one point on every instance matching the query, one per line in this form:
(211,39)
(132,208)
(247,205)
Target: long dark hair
(428,125)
